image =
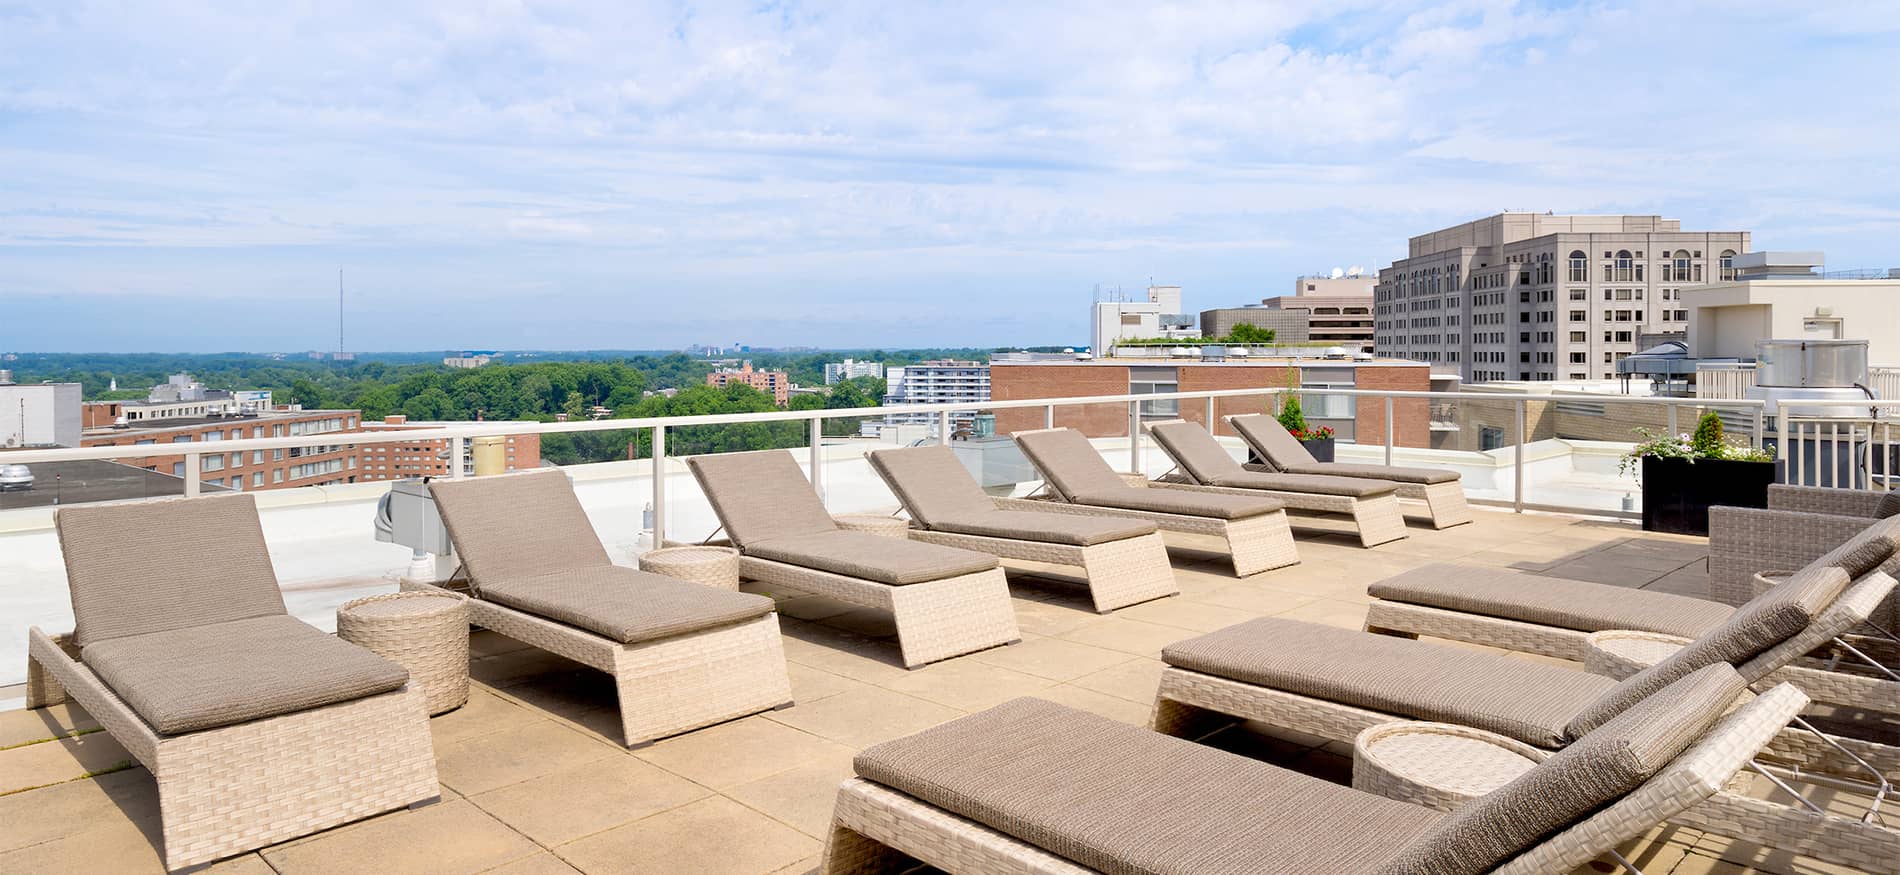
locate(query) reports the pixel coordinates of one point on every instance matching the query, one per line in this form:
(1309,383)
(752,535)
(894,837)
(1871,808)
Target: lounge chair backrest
(760,496)
(515,526)
(1271,440)
(1196,451)
(1765,622)
(1702,770)
(1861,599)
(1877,546)
(1069,464)
(153,566)
(932,484)
(1575,782)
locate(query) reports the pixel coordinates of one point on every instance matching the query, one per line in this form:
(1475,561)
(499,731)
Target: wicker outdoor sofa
(945,601)
(257,727)
(1441,489)
(1799,524)
(1080,482)
(1124,560)
(1336,683)
(1031,786)
(1202,465)
(682,655)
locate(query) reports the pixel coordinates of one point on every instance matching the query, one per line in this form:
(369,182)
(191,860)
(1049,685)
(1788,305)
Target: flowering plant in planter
(1293,419)
(1683,475)
(1321,433)
(1706,442)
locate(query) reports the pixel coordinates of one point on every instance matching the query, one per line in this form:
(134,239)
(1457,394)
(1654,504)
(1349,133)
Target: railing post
(1781,445)
(1517,463)
(1134,437)
(1388,431)
(658,462)
(1049,416)
(943,427)
(818,457)
(1210,416)
(1759,437)
(457,446)
(1671,406)
(192,484)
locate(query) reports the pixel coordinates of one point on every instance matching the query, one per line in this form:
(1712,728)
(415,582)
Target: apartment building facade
(849,369)
(429,457)
(1538,297)
(939,381)
(777,384)
(323,465)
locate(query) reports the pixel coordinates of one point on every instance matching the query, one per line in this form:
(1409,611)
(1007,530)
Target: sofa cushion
(871,557)
(517,525)
(136,568)
(1550,601)
(1394,473)
(1121,799)
(1528,701)
(1048,528)
(1575,782)
(1196,451)
(760,495)
(1312,484)
(626,605)
(1068,462)
(204,677)
(931,483)
(1182,503)
(1271,440)
(1765,621)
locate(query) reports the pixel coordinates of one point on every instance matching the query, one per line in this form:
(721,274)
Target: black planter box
(1322,449)
(1677,493)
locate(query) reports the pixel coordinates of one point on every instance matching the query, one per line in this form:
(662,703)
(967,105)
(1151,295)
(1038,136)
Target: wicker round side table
(424,632)
(1768,580)
(1437,765)
(1619,653)
(709,566)
(872,524)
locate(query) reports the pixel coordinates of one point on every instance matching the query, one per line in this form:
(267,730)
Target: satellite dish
(1337,273)
(1355,270)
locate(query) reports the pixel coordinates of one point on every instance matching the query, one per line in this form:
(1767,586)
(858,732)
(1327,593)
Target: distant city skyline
(851,176)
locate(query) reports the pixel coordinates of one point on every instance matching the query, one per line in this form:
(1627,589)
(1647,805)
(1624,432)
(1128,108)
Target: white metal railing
(1823,449)
(457,436)
(1727,380)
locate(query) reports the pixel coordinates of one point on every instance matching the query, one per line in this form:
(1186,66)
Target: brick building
(777,384)
(429,457)
(1349,416)
(258,469)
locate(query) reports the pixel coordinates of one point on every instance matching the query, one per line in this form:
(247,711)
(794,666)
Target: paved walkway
(534,779)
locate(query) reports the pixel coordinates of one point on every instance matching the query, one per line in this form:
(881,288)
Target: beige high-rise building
(1531,296)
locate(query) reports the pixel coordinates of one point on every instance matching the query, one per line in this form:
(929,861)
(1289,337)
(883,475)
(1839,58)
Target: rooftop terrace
(534,778)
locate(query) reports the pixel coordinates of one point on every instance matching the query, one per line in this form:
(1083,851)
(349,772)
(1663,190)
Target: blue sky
(191,175)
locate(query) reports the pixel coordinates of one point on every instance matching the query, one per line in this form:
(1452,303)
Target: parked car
(15,477)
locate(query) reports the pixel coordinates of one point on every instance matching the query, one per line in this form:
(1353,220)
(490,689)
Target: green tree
(1709,441)
(1291,416)
(1248,333)
(433,404)
(307,393)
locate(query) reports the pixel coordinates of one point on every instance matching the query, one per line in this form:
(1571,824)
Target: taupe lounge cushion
(931,483)
(871,557)
(1394,473)
(1069,464)
(760,496)
(1889,505)
(624,604)
(154,566)
(1207,462)
(1765,621)
(203,677)
(1528,701)
(1117,798)
(1575,782)
(516,526)
(1175,501)
(1271,440)
(1877,546)
(1550,601)
(1048,528)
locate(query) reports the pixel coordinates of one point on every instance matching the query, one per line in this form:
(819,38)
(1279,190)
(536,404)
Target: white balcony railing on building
(1729,380)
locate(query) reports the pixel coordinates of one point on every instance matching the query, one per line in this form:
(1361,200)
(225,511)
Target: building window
(1625,266)
(1578,337)
(1579,267)
(1577,316)
(1681,272)
(1728,264)
(257,478)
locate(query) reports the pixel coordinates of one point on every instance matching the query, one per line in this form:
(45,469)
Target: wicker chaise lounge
(682,655)
(257,727)
(1031,786)
(1556,617)
(945,601)
(1336,683)
(1439,488)
(1125,561)
(1799,524)
(1080,482)
(1204,466)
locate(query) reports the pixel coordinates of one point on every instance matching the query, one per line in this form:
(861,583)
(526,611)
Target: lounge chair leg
(848,852)
(42,689)
(1182,720)
(424,803)
(1395,633)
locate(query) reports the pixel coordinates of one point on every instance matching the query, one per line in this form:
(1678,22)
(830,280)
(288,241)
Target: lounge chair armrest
(1619,653)
(1745,541)
(1825,500)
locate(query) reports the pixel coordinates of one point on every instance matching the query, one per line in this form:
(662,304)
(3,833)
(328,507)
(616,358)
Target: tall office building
(1530,296)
